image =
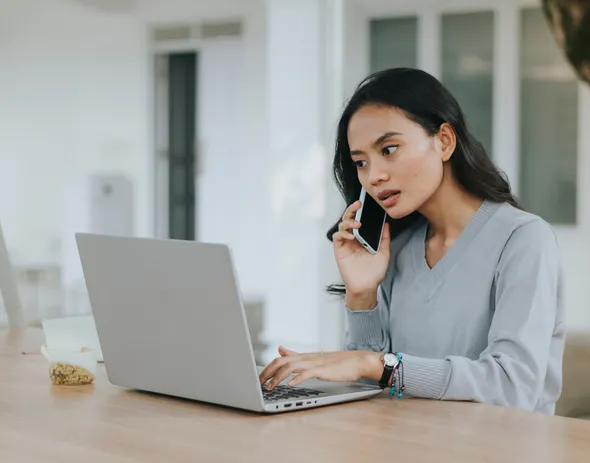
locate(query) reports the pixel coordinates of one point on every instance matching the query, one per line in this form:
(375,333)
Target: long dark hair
(424,100)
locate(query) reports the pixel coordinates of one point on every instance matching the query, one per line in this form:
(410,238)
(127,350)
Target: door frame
(159,53)
(158,114)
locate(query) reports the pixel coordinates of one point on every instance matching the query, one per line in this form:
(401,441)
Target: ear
(446,141)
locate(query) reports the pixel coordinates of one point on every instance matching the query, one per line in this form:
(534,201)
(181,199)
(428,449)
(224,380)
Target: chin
(399,211)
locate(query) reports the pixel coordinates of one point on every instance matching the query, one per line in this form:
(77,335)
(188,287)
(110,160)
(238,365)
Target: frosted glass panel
(467,68)
(393,43)
(548,124)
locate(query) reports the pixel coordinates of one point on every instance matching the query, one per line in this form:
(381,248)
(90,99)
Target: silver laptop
(8,288)
(170,320)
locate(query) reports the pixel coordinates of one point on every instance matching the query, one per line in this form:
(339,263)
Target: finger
(342,236)
(346,225)
(351,210)
(284,352)
(271,369)
(303,376)
(284,372)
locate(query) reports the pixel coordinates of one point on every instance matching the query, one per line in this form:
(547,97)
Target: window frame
(506,75)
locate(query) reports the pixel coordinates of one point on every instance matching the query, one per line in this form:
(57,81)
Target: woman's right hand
(361,271)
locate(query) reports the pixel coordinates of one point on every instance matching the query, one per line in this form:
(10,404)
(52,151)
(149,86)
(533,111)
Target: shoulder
(524,228)
(529,265)
(527,236)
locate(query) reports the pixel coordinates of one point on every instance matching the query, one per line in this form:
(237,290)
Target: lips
(389,197)
(386,194)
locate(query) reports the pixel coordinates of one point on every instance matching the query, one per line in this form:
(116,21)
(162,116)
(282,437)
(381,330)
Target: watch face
(389,359)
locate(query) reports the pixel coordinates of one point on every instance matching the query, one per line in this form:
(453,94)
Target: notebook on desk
(72,333)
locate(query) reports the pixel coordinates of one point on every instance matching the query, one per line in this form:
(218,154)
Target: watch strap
(386,376)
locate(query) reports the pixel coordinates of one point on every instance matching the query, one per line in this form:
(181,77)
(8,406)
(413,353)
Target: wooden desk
(102,423)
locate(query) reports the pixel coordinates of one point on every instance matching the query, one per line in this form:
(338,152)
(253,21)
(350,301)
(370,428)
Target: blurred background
(214,121)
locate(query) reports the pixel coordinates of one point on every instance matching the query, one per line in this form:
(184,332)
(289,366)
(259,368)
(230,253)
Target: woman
(465,288)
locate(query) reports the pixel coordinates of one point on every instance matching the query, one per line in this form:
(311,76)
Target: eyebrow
(377,142)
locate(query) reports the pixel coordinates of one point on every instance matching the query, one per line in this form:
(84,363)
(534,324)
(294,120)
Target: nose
(378,175)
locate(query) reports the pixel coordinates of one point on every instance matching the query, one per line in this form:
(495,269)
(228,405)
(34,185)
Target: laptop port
(287,405)
(299,404)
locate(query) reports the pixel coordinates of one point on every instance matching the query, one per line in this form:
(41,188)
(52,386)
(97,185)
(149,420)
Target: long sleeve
(369,329)
(525,338)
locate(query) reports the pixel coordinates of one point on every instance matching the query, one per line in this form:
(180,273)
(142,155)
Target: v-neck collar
(430,278)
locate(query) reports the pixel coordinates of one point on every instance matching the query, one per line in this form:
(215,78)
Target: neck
(450,209)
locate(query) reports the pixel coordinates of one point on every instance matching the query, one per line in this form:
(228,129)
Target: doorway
(176,125)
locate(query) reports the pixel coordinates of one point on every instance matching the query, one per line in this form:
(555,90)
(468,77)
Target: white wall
(77,99)
(233,200)
(232,132)
(73,101)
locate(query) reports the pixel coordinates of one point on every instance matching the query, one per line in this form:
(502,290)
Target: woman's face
(397,162)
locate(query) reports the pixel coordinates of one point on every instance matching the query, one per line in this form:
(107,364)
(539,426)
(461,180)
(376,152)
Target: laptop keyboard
(280,393)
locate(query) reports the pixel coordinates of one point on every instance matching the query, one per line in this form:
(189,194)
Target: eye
(360,164)
(389,150)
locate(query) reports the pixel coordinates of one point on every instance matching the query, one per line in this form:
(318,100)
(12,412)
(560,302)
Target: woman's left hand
(328,366)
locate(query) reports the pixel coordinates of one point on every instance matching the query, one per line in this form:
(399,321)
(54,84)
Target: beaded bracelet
(399,382)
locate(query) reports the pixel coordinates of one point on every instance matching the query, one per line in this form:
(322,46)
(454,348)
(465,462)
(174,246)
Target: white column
(506,115)
(429,46)
(331,310)
(298,118)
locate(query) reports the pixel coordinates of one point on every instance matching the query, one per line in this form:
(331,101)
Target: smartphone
(372,218)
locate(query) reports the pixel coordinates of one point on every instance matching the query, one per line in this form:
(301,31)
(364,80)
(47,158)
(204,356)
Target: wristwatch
(389,363)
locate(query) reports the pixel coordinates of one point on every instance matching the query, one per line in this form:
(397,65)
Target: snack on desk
(64,374)
(70,367)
